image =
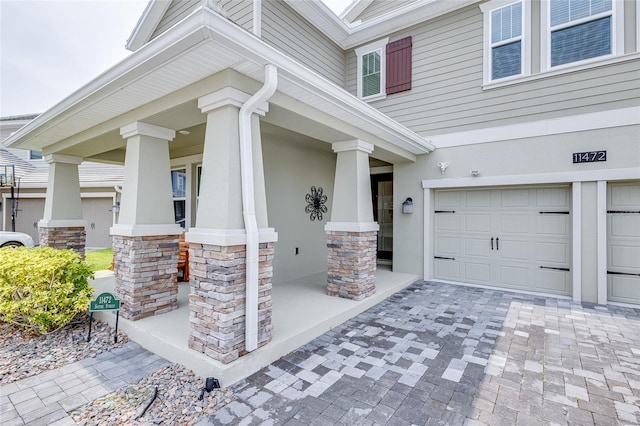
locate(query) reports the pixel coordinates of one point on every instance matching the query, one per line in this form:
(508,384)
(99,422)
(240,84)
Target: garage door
(517,238)
(97,212)
(30,212)
(623,237)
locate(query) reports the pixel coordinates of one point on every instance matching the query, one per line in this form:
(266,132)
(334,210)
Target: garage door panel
(447,222)
(514,198)
(552,281)
(448,200)
(514,224)
(624,196)
(478,199)
(624,289)
(624,258)
(477,272)
(548,224)
(513,250)
(447,269)
(553,198)
(514,276)
(624,225)
(478,247)
(557,253)
(447,246)
(477,223)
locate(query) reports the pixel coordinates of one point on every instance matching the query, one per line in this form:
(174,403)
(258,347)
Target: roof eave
(205,25)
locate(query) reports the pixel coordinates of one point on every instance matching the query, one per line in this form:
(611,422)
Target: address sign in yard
(104,302)
(589,157)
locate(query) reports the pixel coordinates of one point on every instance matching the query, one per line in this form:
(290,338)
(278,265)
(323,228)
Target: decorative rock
(146,271)
(351,264)
(217,299)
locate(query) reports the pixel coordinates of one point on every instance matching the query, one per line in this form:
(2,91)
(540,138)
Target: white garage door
(99,216)
(516,238)
(30,212)
(623,236)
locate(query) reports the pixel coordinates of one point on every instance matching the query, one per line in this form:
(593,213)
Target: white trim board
(554,126)
(535,179)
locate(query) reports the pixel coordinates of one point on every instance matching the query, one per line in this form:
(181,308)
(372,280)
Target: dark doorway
(382,192)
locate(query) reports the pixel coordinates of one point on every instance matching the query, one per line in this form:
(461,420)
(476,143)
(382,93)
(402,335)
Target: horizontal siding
(288,32)
(447,93)
(177,11)
(380,7)
(238,11)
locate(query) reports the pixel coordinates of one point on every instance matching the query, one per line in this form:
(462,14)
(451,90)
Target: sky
(51,48)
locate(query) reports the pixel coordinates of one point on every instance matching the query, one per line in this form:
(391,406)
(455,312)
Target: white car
(15,239)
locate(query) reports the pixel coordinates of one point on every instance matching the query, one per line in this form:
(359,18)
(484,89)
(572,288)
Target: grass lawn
(99,260)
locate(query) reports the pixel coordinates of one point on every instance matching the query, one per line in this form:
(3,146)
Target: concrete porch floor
(301,312)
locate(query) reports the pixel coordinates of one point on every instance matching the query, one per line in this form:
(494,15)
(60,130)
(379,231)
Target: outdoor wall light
(443,166)
(407,206)
(116,207)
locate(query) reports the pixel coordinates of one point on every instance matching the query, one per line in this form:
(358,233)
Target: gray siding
(380,7)
(288,32)
(177,11)
(239,11)
(447,93)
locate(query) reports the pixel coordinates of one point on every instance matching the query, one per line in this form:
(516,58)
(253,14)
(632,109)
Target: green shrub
(42,288)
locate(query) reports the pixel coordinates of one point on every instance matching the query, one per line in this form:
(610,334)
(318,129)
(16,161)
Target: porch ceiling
(160,83)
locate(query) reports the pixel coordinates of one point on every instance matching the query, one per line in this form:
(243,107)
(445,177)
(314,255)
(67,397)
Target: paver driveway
(444,354)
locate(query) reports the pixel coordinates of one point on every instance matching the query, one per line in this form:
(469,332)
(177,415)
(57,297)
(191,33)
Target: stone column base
(146,270)
(70,237)
(217,299)
(351,264)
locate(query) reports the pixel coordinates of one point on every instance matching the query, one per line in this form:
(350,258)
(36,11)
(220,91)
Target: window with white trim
(372,70)
(179,187)
(579,30)
(506,39)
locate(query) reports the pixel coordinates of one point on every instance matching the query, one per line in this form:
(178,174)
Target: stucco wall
(531,158)
(290,171)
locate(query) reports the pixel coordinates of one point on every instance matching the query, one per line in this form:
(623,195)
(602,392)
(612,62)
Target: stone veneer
(217,299)
(146,270)
(351,264)
(73,238)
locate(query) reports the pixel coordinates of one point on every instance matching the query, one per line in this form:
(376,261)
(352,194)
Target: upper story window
(506,39)
(579,30)
(372,60)
(384,68)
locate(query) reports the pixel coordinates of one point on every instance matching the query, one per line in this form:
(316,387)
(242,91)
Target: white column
(219,218)
(63,202)
(146,206)
(352,207)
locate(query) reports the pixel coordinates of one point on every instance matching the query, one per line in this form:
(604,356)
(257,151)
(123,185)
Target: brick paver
(46,399)
(444,354)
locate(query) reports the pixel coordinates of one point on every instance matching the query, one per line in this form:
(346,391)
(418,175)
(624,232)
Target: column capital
(352,145)
(139,128)
(228,96)
(58,158)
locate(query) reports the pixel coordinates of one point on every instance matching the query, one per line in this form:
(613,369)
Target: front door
(382,191)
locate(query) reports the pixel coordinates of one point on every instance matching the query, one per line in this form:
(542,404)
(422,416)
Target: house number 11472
(589,157)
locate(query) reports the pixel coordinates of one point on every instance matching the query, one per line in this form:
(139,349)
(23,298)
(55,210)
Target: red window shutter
(399,65)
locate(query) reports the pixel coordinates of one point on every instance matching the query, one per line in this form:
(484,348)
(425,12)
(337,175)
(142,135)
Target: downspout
(248,203)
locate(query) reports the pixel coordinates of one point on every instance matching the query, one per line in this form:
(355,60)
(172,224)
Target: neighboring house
(97,183)
(499,141)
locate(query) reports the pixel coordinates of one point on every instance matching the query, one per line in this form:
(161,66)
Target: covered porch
(301,312)
(254,135)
